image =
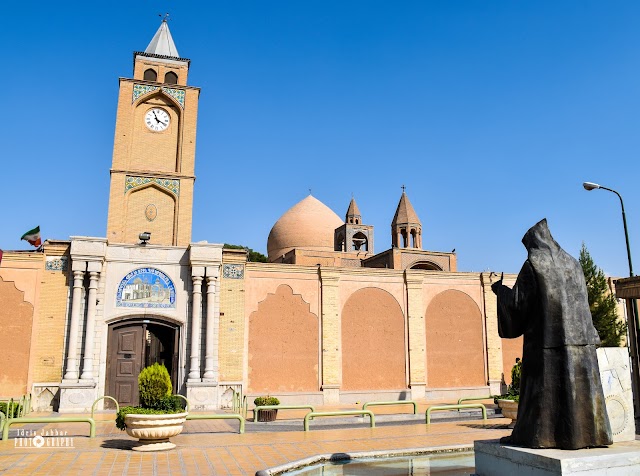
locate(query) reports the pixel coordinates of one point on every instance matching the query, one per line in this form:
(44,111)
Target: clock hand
(156,117)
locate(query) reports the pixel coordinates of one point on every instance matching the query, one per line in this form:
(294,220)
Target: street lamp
(592,186)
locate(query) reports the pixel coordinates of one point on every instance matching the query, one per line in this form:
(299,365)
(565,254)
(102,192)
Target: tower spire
(162,42)
(406,228)
(353,213)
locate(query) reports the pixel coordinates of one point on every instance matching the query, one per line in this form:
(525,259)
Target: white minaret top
(162,43)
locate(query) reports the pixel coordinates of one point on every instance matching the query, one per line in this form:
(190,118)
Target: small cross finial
(403,188)
(309,191)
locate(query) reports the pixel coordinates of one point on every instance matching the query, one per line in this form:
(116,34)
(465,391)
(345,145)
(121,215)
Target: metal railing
(471,399)
(312,415)
(434,408)
(220,416)
(21,420)
(93,407)
(186,402)
(395,402)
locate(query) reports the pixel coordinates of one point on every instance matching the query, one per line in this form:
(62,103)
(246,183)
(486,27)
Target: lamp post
(592,186)
(636,325)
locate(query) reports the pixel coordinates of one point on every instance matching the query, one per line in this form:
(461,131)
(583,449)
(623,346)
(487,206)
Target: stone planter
(153,431)
(267,415)
(509,410)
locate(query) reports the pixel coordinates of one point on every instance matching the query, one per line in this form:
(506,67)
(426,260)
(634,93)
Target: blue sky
(491,113)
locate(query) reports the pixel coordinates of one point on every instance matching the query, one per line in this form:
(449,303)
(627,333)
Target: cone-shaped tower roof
(405,212)
(353,212)
(162,43)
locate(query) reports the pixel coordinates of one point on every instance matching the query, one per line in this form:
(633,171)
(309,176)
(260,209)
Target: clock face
(157,119)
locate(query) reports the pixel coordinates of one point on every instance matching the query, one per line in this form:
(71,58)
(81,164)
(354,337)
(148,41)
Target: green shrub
(15,409)
(513,391)
(516,374)
(262,401)
(154,384)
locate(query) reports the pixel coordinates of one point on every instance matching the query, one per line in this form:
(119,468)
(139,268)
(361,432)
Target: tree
(254,256)
(602,302)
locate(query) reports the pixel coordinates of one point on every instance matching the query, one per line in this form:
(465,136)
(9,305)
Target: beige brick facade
(232,317)
(415,318)
(52,315)
(331,331)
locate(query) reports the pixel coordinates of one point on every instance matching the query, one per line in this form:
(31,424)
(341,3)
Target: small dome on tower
(308,224)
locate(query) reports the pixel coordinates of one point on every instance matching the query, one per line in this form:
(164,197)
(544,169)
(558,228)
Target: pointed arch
(154,209)
(150,74)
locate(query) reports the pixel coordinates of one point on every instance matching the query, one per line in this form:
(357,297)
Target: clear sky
(491,113)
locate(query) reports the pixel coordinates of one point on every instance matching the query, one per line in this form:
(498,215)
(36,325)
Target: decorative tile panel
(142,89)
(177,94)
(56,263)
(233,271)
(172,185)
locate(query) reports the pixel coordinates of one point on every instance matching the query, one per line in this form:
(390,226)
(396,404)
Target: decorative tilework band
(233,271)
(177,94)
(56,263)
(140,90)
(172,185)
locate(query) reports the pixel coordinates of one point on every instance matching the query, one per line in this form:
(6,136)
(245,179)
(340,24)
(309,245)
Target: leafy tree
(254,256)
(602,302)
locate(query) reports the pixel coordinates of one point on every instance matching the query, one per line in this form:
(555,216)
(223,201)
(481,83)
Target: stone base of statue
(495,459)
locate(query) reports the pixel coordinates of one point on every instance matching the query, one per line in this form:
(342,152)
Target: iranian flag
(33,237)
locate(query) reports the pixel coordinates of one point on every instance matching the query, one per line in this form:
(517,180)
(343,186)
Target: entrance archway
(133,345)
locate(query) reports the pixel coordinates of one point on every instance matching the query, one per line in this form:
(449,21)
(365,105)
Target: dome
(308,224)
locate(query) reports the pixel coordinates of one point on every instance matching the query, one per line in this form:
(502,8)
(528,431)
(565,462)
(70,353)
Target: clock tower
(152,173)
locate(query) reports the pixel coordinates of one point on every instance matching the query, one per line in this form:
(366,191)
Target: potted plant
(508,402)
(160,414)
(266,415)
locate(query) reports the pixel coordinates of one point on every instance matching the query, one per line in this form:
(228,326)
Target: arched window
(171,78)
(150,75)
(360,242)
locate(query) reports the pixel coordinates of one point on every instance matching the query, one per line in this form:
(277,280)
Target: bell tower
(353,235)
(153,167)
(406,228)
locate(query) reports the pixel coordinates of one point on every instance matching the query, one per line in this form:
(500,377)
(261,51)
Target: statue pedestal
(494,459)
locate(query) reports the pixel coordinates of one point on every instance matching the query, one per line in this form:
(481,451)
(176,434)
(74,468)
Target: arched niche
(283,345)
(155,150)
(454,341)
(425,265)
(150,208)
(16,321)
(373,342)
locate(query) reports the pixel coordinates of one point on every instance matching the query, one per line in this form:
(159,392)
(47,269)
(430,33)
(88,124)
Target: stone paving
(214,447)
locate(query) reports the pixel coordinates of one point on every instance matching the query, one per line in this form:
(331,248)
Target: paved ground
(214,447)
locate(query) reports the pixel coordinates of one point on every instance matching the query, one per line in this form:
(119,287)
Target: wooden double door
(134,345)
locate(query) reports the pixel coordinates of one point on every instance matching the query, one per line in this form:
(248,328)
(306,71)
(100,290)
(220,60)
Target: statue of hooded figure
(562,404)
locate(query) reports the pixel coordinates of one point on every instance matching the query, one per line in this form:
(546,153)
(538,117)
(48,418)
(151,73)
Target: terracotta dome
(308,224)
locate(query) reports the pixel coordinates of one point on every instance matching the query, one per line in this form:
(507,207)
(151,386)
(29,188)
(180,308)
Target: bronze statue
(561,400)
